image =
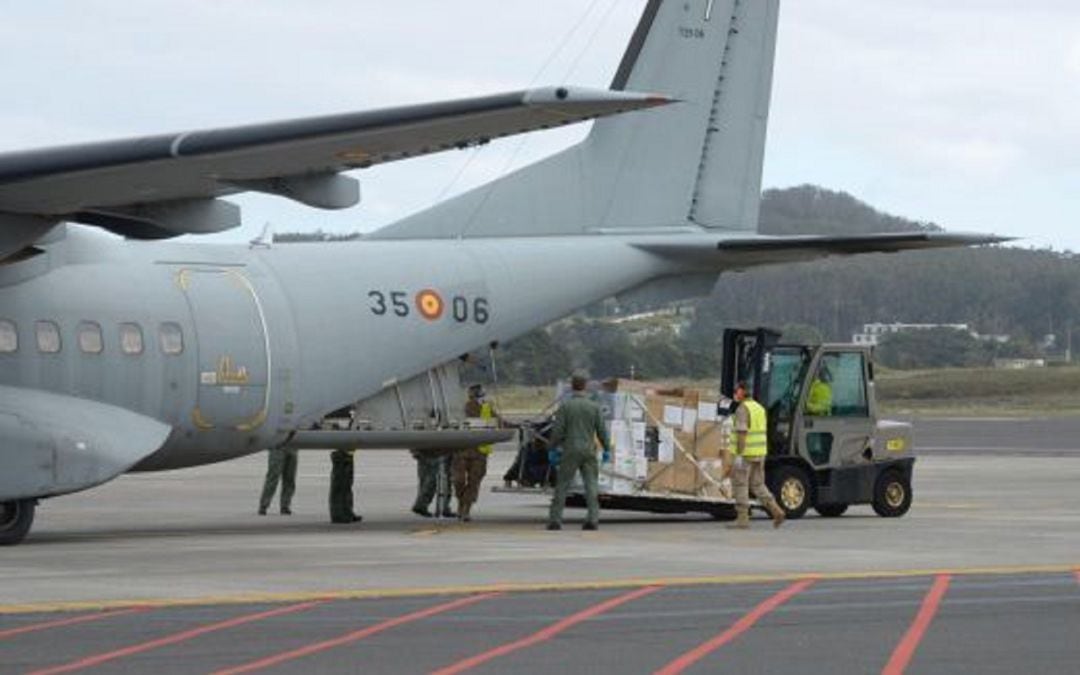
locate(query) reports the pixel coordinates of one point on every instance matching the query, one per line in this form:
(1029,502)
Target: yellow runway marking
(373,594)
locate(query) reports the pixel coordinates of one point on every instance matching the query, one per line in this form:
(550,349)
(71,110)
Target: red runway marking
(901,657)
(85,618)
(354,636)
(91,661)
(738,628)
(545,633)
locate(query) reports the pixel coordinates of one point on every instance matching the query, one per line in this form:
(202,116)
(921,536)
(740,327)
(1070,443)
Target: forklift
(827,449)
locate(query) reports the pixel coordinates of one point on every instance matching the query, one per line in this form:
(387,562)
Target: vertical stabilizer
(694,163)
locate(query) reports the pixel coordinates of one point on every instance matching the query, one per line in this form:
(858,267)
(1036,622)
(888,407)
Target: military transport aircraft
(143,354)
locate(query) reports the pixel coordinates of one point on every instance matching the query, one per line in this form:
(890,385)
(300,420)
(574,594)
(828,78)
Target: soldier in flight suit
(430,468)
(341,487)
(281,466)
(578,425)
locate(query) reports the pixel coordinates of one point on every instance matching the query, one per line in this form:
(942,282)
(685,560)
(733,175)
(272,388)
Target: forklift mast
(746,358)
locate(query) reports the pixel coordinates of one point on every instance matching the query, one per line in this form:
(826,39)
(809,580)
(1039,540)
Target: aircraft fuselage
(234,347)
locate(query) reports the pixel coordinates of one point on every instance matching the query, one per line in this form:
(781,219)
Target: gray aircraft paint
(275,338)
(699,163)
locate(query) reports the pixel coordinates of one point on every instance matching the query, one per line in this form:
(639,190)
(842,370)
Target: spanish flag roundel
(430,304)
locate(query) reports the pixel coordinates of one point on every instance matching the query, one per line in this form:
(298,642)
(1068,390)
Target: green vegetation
(980,391)
(939,392)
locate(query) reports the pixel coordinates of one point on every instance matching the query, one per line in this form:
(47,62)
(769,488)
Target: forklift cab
(827,448)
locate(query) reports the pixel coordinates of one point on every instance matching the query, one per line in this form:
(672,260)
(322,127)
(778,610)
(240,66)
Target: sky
(962,113)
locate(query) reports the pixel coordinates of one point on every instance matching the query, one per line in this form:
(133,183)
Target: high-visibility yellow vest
(756,443)
(820,400)
(486,413)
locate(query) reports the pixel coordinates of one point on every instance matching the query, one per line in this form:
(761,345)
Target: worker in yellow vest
(751,447)
(470,465)
(819,402)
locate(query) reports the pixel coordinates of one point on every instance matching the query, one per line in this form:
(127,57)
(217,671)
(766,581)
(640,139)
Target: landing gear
(15,520)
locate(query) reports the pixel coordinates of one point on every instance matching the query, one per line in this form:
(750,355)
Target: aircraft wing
(743,252)
(162,186)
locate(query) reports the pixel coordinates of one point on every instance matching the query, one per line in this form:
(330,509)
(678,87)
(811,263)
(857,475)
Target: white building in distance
(873,332)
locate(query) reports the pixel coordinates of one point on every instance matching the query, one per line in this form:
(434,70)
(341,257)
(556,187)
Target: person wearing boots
(470,465)
(751,447)
(341,487)
(280,467)
(432,468)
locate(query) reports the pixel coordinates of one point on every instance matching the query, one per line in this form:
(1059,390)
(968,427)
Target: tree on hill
(933,348)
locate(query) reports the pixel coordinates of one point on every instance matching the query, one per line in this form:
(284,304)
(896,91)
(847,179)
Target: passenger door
(233,352)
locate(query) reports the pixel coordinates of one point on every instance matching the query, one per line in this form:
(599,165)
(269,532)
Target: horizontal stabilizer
(52,444)
(742,252)
(397,440)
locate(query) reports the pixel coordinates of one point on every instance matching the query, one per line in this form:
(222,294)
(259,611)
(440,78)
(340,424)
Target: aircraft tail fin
(695,163)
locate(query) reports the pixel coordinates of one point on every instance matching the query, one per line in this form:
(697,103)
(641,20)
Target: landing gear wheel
(15,521)
(831,510)
(791,487)
(892,495)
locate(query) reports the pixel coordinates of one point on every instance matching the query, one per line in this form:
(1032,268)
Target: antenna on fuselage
(265,238)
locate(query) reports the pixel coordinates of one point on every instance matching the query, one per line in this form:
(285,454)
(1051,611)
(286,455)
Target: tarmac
(175,572)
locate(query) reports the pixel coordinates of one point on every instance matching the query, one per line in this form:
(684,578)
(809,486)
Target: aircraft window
(131,338)
(48,337)
(90,339)
(172,338)
(9,337)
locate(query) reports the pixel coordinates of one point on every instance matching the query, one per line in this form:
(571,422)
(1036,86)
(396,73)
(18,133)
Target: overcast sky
(960,112)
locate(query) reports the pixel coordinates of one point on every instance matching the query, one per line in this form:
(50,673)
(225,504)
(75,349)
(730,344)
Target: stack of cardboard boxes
(664,441)
(692,443)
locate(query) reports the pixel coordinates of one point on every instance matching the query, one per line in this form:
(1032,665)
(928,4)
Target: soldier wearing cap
(578,425)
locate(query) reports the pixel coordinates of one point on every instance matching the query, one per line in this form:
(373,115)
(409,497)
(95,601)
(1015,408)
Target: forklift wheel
(831,510)
(892,495)
(791,488)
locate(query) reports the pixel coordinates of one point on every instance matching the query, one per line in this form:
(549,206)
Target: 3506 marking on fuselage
(430,305)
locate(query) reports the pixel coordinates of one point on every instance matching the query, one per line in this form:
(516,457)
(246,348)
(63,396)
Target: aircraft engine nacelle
(56,444)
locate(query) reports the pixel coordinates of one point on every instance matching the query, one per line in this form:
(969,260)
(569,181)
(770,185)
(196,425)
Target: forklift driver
(819,402)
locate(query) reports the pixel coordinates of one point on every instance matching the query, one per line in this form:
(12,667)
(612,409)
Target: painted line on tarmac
(98,659)
(428,591)
(904,651)
(738,628)
(326,645)
(59,623)
(545,634)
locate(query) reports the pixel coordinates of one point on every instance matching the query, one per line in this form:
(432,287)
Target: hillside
(1025,294)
